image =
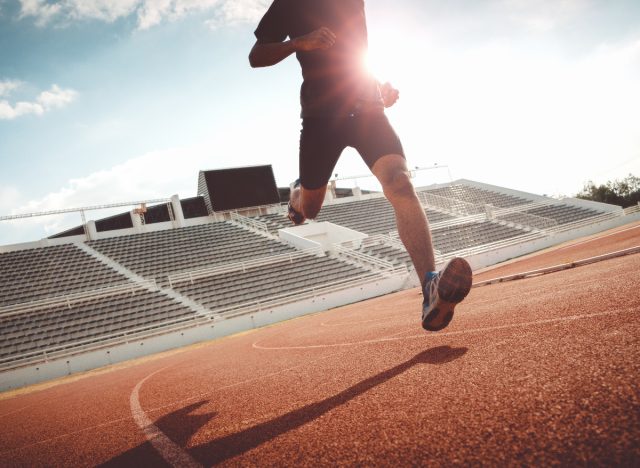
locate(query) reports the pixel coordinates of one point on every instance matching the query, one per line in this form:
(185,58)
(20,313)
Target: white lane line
(453,333)
(341,324)
(172,453)
(168,405)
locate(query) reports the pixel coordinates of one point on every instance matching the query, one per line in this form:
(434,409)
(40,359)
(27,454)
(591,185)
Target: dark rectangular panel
(194,207)
(121,221)
(241,187)
(157,214)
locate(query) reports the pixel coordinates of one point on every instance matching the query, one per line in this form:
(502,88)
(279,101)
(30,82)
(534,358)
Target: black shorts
(322,141)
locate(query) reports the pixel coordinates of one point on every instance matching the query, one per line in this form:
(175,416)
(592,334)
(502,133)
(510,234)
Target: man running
(343,105)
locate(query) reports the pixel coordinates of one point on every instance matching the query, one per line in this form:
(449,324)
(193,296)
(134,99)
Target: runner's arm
(267,54)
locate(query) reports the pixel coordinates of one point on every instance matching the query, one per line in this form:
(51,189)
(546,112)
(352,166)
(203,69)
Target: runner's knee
(397,184)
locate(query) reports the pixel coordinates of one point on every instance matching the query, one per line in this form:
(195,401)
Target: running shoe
(443,291)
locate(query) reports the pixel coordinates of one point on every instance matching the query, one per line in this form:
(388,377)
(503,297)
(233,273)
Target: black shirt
(335,80)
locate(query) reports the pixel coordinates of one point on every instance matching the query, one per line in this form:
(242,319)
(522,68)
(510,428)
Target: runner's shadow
(236,444)
(179,426)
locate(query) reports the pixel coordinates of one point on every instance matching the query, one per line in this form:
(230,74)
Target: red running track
(538,371)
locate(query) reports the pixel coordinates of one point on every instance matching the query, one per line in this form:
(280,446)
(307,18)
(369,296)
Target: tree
(625,192)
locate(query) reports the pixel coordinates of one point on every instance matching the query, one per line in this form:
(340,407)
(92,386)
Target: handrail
(287,298)
(70,299)
(388,240)
(519,208)
(529,220)
(452,205)
(241,266)
(250,222)
(458,221)
(363,258)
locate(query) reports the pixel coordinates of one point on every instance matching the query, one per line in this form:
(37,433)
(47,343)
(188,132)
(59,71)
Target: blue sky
(104,101)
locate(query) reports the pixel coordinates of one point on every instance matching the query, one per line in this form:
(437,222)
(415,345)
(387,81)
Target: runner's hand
(322,38)
(390,95)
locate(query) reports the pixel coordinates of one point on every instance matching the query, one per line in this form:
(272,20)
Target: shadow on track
(180,425)
(236,444)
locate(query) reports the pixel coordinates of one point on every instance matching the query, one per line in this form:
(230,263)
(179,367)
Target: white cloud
(41,10)
(234,12)
(149,12)
(144,177)
(7,86)
(55,97)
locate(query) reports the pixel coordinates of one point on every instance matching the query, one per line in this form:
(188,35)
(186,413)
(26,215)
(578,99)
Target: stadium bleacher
(92,320)
(371,216)
(260,283)
(34,274)
(478,196)
(158,254)
(53,298)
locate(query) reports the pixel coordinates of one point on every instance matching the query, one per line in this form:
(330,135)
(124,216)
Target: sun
(386,60)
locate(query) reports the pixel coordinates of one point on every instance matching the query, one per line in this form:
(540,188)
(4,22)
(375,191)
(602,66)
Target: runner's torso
(336,81)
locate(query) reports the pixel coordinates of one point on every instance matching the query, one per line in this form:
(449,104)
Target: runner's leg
(308,201)
(413,228)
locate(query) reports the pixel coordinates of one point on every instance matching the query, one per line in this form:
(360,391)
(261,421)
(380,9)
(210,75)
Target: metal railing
(250,222)
(450,205)
(528,220)
(69,300)
(390,240)
(241,266)
(364,259)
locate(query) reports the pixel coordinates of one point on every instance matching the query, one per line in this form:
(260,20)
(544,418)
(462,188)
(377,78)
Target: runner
(343,105)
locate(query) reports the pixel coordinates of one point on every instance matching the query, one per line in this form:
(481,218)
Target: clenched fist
(322,38)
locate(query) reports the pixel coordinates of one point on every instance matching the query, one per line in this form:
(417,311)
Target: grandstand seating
(461,236)
(395,255)
(478,196)
(34,274)
(88,321)
(59,271)
(371,216)
(158,254)
(260,283)
(274,221)
(563,214)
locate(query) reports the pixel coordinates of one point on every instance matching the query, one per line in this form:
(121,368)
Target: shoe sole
(453,287)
